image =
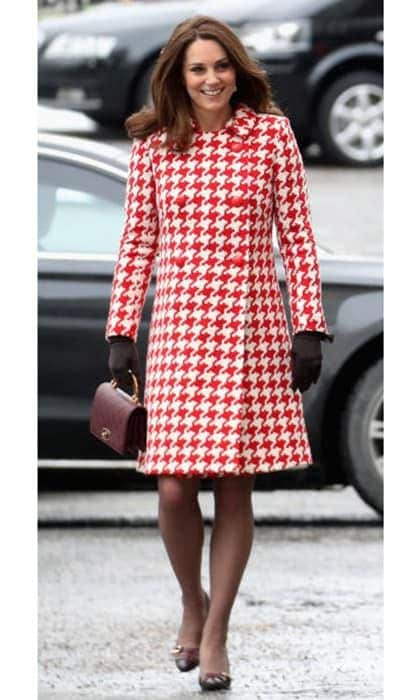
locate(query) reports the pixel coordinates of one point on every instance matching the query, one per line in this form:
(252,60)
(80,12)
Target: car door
(80,218)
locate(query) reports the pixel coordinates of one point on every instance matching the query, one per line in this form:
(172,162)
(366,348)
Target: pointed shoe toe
(215,681)
(186,658)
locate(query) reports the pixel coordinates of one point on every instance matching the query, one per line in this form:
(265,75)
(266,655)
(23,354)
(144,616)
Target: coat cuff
(319,334)
(119,339)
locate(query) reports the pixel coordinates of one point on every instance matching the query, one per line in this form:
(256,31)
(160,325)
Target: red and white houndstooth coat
(218,371)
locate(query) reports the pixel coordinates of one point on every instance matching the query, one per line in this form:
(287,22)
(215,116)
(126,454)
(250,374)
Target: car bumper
(71,97)
(99,93)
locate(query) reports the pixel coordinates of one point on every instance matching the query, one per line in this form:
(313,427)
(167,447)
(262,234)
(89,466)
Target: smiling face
(209,78)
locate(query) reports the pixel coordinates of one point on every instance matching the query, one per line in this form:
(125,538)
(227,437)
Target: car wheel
(142,95)
(350,119)
(362,437)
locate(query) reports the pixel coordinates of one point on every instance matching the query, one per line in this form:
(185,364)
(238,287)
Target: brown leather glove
(123,356)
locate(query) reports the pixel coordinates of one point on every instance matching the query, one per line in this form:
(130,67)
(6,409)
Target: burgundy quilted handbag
(119,420)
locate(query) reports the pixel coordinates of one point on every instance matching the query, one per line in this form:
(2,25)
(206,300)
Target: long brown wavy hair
(172,110)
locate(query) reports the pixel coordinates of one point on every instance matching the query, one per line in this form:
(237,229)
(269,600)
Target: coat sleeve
(138,246)
(295,236)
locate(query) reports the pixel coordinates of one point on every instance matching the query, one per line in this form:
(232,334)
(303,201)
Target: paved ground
(307,622)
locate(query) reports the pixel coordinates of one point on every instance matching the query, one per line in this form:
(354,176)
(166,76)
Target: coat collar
(240,123)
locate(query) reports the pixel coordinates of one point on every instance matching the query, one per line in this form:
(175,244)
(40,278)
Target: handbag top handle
(135,396)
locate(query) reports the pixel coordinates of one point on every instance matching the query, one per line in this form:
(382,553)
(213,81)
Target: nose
(211,78)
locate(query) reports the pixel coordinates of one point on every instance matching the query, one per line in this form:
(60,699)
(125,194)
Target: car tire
(362,437)
(350,119)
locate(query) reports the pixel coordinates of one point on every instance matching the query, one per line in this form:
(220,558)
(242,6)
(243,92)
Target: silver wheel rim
(356,122)
(376,434)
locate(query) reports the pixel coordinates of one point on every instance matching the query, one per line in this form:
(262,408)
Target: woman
(211,165)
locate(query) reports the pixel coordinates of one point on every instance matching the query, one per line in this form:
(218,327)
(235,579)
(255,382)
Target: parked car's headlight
(68,46)
(277,36)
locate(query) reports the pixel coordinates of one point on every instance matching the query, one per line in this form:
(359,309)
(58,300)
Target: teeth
(211,92)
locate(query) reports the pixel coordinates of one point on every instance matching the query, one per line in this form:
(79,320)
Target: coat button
(238,259)
(236,201)
(236,146)
(181,200)
(178,260)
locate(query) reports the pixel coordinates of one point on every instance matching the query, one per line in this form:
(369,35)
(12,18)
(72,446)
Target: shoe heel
(187,658)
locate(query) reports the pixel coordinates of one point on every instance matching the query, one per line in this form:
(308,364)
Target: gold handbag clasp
(105,433)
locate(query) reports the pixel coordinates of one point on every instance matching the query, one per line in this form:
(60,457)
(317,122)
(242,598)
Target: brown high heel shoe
(215,681)
(187,658)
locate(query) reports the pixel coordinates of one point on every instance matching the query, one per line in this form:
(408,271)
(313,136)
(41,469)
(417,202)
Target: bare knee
(176,493)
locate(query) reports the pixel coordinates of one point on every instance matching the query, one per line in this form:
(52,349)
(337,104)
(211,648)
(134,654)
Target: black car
(81,198)
(324,59)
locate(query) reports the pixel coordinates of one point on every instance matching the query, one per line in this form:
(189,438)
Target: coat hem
(220,473)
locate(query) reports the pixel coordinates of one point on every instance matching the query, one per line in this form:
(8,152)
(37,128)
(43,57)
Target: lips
(212,94)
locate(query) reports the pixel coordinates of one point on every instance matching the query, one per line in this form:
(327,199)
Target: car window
(79,210)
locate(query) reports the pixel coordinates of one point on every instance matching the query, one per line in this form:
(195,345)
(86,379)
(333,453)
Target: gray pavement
(307,621)
(327,506)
